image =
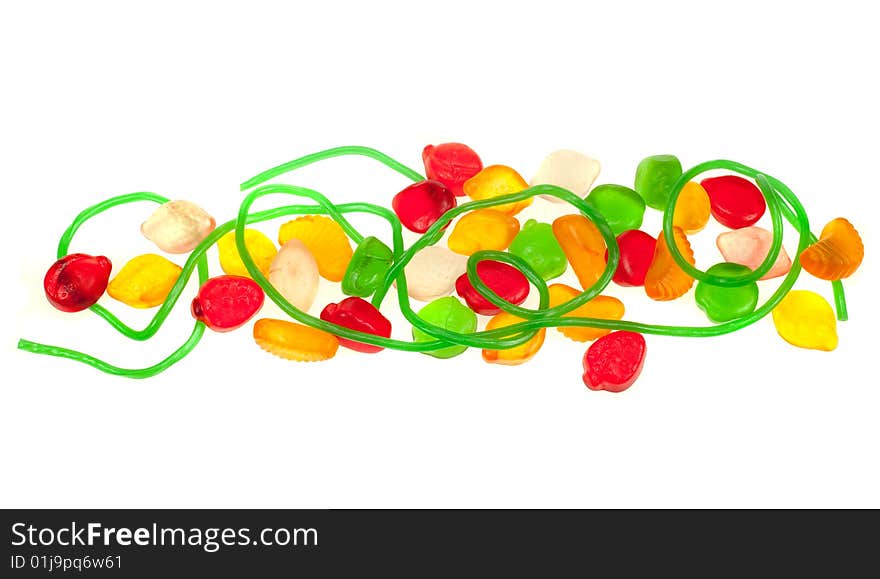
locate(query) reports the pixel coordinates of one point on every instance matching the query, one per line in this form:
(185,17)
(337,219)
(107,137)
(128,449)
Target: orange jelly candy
(583,245)
(837,254)
(692,208)
(519,354)
(665,280)
(294,341)
(494,181)
(605,307)
(483,229)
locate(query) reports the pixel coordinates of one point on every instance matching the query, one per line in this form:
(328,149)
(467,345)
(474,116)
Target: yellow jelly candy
(804,319)
(665,280)
(483,229)
(692,209)
(496,180)
(583,245)
(260,247)
(519,354)
(605,307)
(293,341)
(837,254)
(325,239)
(145,281)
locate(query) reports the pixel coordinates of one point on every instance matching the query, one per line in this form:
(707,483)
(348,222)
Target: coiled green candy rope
(781,202)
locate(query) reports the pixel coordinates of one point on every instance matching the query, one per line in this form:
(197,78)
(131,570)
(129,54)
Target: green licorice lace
(781,202)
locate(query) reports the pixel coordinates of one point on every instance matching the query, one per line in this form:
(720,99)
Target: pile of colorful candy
(489,259)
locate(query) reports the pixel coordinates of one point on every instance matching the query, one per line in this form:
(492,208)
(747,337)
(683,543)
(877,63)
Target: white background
(189,99)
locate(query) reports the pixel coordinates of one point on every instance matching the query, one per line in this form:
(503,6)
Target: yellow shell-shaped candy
(605,307)
(518,354)
(804,319)
(481,230)
(145,281)
(837,254)
(325,239)
(260,247)
(293,341)
(494,181)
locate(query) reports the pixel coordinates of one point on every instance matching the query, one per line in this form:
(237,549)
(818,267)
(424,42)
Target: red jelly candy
(227,302)
(613,362)
(452,164)
(736,202)
(421,204)
(505,280)
(358,314)
(77,281)
(636,254)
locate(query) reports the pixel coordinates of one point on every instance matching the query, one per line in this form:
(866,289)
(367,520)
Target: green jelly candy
(621,207)
(723,304)
(536,244)
(655,177)
(450,314)
(367,268)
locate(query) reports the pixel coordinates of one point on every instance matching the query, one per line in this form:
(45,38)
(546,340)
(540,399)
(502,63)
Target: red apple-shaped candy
(505,280)
(77,281)
(452,164)
(421,204)
(636,254)
(735,202)
(227,302)
(613,362)
(358,314)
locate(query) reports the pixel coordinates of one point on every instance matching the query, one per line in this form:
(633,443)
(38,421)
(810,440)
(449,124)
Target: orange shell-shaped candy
(483,229)
(326,241)
(583,246)
(837,254)
(494,181)
(605,307)
(692,209)
(294,341)
(518,354)
(665,280)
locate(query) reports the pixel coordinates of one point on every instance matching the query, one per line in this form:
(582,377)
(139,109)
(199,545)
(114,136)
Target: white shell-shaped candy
(178,226)
(567,169)
(432,272)
(294,273)
(749,246)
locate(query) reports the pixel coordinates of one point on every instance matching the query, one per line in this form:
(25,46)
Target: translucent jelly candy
(145,281)
(293,341)
(605,307)
(736,202)
(367,268)
(665,280)
(837,254)
(567,169)
(539,248)
(692,208)
(450,314)
(483,229)
(227,302)
(804,319)
(421,204)
(655,177)
(357,314)
(582,245)
(260,247)
(749,246)
(621,207)
(431,273)
(178,226)
(76,281)
(494,181)
(636,254)
(325,239)
(452,164)
(518,354)
(722,303)
(294,273)
(613,362)
(505,280)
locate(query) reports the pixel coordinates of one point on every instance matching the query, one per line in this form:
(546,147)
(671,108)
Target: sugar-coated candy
(539,248)
(636,254)
(583,246)
(494,181)
(749,246)
(325,239)
(260,247)
(294,273)
(358,314)
(692,208)
(725,303)
(481,230)
(621,207)
(665,280)
(613,362)
(605,307)
(367,268)
(452,164)
(431,273)
(518,354)
(421,204)
(450,314)
(837,254)
(178,226)
(293,341)
(76,281)
(736,202)
(655,177)
(145,281)
(227,302)
(570,170)
(505,280)
(804,319)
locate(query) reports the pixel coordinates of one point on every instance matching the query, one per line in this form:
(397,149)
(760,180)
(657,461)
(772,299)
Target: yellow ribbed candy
(804,319)
(145,281)
(260,247)
(516,355)
(293,341)
(605,307)
(494,181)
(325,239)
(481,230)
